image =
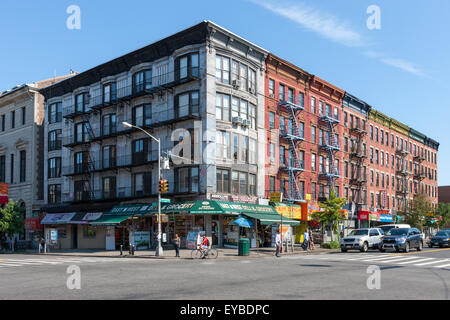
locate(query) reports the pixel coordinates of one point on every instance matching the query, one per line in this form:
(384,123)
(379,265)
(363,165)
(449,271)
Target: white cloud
(326,25)
(403,65)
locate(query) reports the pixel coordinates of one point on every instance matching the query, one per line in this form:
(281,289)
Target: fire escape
(330,146)
(294,136)
(402,176)
(358,156)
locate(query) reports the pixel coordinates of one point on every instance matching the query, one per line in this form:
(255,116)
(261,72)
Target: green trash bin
(244,247)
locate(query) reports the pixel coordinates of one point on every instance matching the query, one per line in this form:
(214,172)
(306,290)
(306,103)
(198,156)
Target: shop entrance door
(122,237)
(215,232)
(75,236)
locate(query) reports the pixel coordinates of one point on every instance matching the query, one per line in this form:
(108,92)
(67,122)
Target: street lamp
(159,249)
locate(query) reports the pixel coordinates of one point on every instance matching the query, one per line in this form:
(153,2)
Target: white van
(388,227)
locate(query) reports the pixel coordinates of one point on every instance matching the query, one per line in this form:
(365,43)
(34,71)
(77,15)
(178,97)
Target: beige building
(22,147)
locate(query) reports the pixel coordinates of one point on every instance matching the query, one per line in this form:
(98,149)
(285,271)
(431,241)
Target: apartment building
(22,150)
(199,91)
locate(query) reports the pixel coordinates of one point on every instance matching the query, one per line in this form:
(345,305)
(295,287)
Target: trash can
(244,247)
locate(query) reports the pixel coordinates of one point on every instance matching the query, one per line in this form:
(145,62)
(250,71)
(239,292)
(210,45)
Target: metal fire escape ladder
(295,137)
(331,147)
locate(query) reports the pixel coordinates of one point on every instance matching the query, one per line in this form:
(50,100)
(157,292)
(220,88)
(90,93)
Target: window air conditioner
(236,84)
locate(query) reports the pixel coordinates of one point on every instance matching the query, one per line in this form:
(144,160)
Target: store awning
(57,218)
(110,220)
(268,219)
(193,207)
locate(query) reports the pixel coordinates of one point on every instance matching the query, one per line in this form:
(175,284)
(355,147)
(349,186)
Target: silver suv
(363,239)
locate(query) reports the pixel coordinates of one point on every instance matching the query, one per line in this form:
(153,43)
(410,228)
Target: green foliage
(330,245)
(11,218)
(443,210)
(416,216)
(330,215)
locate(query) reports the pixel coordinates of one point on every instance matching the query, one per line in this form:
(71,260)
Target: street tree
(331,213)
(11,219)
(442,214)
(417,214)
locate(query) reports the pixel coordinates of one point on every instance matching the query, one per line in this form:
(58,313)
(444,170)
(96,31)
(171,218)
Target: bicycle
(211,253)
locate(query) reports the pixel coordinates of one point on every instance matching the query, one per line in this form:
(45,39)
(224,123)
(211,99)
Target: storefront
(214,218)
(73,230)
(294,212)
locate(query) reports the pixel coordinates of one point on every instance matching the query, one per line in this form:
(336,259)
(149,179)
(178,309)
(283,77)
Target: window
(142,115)
(240,107)
(223,144)
(54,193)
(81,162)
(55,113)
(245,75)
(271,120)
(282,156)
(222,107)
(54,168)
(12,168)
(223,180)
(290,95)
(2,168)
(109,125)
(109,187)
(371,132)
(244,149)
(23,115)
(81,132)
(109,93)
(142,184)
(89,232)
(54,140)
(301,99)
(313,191)
(271,88)
(142,81)
(313,162)
(313,105)
(376,134)
(272,184)
(252,109)
(345,118)
(141,151)
(22,167)
(82,103)
(336,113)
(281,93)
(252,152)
(272,152)
(223,69)
(187,104)
(109,157)
(381,136)
(252,184)
(13,119)
(313,134)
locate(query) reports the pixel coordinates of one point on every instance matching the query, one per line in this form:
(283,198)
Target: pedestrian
(305,240)
(311,241)
(278,244)
(42,246)
(176,244)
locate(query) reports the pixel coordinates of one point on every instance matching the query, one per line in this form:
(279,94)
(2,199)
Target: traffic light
(163,186)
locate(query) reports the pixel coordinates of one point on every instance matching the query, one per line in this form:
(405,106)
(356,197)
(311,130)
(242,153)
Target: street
(416,275)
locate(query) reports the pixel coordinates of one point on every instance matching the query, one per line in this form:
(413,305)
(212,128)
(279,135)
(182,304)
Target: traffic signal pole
(159,249)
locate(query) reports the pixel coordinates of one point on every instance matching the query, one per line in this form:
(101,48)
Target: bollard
(121,248)
(132,250)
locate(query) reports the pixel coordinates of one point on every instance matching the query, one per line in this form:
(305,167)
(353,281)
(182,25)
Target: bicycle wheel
(212,254)
(196,254)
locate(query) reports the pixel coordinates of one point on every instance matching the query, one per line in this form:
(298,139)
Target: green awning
(109,219)
(193,207)
(268,219)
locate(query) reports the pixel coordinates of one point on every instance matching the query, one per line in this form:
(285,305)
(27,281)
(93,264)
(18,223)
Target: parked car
(362,239)
(403,239)
(441,239)
(387,227)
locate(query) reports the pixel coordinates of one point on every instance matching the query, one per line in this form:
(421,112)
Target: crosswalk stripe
(21,262)
(443,266)
(43,261)
(432,262)
(397,259)
(415,261)
(367,257)
(5,264)
(384,258)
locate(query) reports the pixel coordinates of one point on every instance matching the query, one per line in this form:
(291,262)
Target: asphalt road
(417,275)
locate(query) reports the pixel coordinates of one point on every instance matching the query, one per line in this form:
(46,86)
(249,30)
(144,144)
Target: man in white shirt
(306,240)
(278,243)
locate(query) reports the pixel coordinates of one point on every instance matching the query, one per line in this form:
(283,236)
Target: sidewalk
(224,253)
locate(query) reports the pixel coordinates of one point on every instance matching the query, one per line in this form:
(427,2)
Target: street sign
(165,200)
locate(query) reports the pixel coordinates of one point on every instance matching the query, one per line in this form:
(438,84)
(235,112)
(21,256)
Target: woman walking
(176,244)
(311,241)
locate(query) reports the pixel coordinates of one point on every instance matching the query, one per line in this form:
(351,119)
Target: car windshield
(387,228)
(359,233)
(397,232)
(442,233)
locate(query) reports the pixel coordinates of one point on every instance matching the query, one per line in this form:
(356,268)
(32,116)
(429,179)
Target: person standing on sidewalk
(176,244)
(278,244)
(306,240)
(311,241)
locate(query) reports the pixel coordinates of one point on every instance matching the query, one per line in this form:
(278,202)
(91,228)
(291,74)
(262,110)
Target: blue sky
(401,70)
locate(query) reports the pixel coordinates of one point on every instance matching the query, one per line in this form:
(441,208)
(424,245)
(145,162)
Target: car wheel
(430,246)
(382,250)
(407,247)
(365,247)
(420,247)
(343,250)
(441,246)
(397,250)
